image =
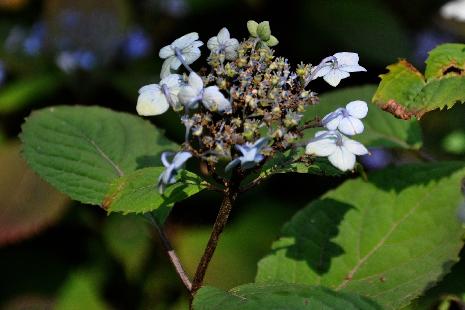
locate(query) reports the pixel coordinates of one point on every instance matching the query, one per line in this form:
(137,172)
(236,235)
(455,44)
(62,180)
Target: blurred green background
(56,254)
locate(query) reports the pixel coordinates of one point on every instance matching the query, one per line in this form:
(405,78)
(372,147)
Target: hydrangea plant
(249,115)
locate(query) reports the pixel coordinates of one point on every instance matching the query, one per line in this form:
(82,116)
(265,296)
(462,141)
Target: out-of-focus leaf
(19,94)
(367,27)
(283,296)
(137,192)
(388,239)
(128,239)
(81,291)
(245,239)
(406,93)
(81,150)
(381,128)
(454,142)
(28,204)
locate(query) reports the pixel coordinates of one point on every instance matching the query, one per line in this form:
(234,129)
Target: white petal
(332,120)
(323,70)
(171,80)
(175,62)
(342,159)
(213,44)
(223,36)
(180,158)
(350,126)
(187,95)
(321,147)
(347,59)
(354,147)
(195,81)
(321,133)
(214,100)
(357,108)
(166,68)
(185,40)
(190,55)
(166,52)
(150,87)
(335,76)
(152,103)
(355,68)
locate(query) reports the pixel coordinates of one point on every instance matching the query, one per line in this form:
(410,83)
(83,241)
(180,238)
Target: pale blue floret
(168,176)
(250,155)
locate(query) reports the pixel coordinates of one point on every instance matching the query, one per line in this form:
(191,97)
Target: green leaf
(381,128)
(18,95)
(273,41)
(406,93)
(252,27)
(80,289)
(264,31)
(388,239)
(137,192)
(81,150)
(128,239)
(453,284)
(278,296)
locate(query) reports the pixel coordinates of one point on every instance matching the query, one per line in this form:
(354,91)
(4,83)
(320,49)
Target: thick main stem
(230,195)
(173,257)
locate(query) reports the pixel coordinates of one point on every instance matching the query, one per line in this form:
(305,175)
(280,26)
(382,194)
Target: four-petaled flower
(211,96)
(155,99)
(223,44)
(337,67)
(347,119)
(168,176)
(250,154)
(184,50)
(339,149)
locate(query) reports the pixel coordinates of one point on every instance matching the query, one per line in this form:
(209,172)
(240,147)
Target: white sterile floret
(339,149)
(337,67)
(454,10)
(347,119)
(155,99)
(223,43)
(186,47)
(211,96)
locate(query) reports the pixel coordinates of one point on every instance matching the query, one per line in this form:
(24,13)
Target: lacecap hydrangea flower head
(246,106)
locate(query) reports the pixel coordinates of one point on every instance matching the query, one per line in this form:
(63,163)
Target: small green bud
(273,41)
(252,27)
(264,31)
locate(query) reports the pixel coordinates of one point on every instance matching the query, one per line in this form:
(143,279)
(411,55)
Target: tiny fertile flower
(184,50)
(211,96)
(155,99)
(347,119)
(168,176)
(337,67)
(223,44)
(339,149)
(250,154)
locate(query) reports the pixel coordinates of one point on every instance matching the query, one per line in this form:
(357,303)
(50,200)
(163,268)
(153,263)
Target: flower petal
(166,67)
(166,52)
(321,147)
(332,120)
(223,35)
(355,68)
(357,108)
(180,158)
(350,126)
(152,102)
(232,164)
(323,70)
(188,95)
(190,55)
(213,44)
(195,81)
(214,100)
(171,80)
(354,147)
(150,87)
(185,40)
(342,159)
(346,59)
(335,76)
